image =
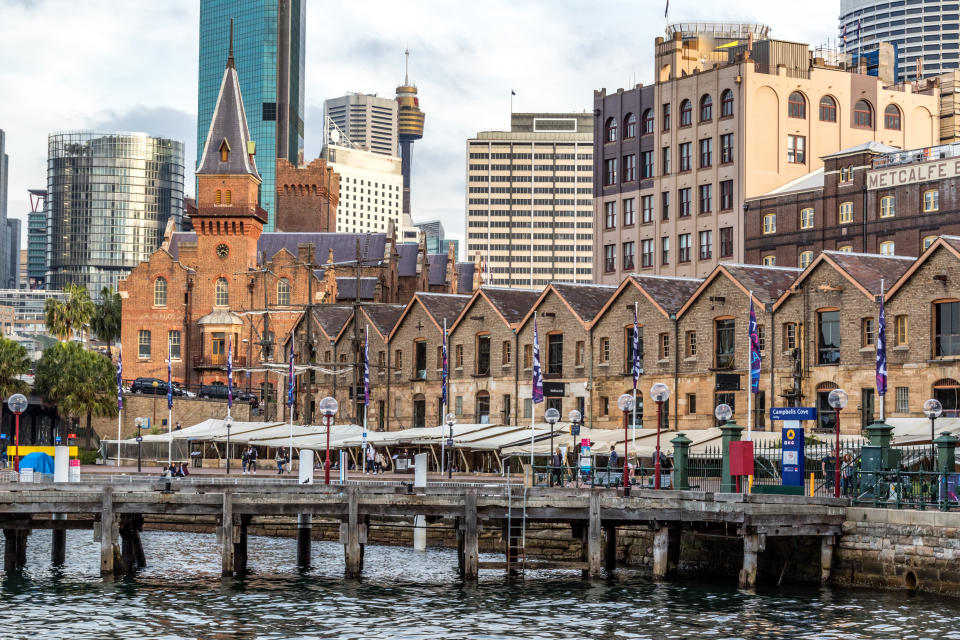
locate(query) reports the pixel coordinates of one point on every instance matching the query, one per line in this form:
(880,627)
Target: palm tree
(78,382)
(13,363)
(65,318)
(105,322)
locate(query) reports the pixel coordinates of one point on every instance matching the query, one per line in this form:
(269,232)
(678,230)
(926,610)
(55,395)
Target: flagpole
(119,431)
(169,408)
(636,375)
(119,400)
(882,319)
(443,375)
(750,384)
(366,402)
(533,389)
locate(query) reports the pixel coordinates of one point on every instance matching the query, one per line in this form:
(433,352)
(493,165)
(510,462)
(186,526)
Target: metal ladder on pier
(516,528)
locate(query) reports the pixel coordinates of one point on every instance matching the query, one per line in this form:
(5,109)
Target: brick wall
(307,197)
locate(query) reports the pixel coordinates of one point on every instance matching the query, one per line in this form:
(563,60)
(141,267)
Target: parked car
(218,391)
(145,385)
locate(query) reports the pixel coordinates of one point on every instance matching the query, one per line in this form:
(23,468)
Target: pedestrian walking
(252,460)
(244,459)
(380,462)
(371,457)
(557,468)
(280,459)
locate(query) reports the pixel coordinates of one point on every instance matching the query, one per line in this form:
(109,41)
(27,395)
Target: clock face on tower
(223,250)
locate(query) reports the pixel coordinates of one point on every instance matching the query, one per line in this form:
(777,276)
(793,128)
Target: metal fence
(705,469)
(819,464)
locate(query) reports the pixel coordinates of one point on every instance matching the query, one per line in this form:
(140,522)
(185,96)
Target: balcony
(217,361)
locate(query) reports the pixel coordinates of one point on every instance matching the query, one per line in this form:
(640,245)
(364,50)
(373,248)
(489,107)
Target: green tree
(105,322)
(78,382)
(13,363)
(63,319)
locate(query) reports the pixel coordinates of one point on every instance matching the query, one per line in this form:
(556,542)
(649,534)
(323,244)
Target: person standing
(612,461)
(371,456)
(244,460)
(252,460)
(279,459)
(557,470)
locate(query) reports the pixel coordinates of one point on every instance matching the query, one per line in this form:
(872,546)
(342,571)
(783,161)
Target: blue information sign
(575,429)
(791,460)
(793,413)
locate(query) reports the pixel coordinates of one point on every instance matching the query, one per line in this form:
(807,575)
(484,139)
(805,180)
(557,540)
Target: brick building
(870,198)
(229,283)
(307,196)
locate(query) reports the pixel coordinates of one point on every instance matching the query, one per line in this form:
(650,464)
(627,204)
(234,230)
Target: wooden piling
(661,551)
(227,565)
(10,550)
(594,531)
(108,529)
(240,545)
(751,551)
(826,558)
(352,547)
(58,544)
(471,538)
(610,547)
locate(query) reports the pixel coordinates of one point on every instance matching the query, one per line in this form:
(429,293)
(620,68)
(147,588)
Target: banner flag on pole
(882,351)
(754,351)
(537,374)
(169,379)
(366,367)
(120,380)
(635,365)
(229,372)
(290,376)
(444,373)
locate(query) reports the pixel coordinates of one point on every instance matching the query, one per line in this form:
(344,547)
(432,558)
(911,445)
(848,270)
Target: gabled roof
(866,271)
(437,276)
(332,318)
(871,146)
(511,305)
(228,127)
(666,293)
(383,317)
(407,262)
(950,243)
(583,300)
(439,307)
(766,283)
(465,271)
(809,182)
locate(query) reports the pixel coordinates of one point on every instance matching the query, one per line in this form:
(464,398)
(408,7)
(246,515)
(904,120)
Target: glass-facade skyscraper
(109,199)
(268,48)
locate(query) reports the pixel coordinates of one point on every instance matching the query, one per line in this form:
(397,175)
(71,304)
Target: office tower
(369,122)
(268,45)
(732,114)
(409,128)
(921,32)
(437,241)
(529,212)
(14,227)
(371,187)
(5,244)
(37,239)
(110,196)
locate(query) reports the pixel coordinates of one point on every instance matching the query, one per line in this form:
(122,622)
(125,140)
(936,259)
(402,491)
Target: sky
(111,65)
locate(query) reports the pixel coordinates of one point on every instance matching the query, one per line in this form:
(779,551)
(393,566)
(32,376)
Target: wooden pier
(116,514)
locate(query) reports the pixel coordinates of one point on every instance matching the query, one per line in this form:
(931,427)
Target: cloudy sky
(110,65)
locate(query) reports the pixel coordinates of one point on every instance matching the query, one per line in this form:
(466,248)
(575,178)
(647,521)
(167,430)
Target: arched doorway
(419,410)
(947,391)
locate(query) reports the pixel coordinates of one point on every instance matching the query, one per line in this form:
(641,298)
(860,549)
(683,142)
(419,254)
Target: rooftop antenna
(406,67)
(230,55)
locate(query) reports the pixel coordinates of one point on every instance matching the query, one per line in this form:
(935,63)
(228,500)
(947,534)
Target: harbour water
(409,594)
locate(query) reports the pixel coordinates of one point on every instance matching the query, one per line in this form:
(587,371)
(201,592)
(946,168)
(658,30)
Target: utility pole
(356,338)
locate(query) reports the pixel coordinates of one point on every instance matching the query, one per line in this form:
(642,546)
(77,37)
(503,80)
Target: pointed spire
(406,67)
(230,55)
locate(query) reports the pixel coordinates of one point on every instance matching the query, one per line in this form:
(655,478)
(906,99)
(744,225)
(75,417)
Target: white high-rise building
(371,189)
(529,205)
(928,32)
(368,121)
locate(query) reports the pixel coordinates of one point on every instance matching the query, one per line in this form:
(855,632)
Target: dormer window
(224,150)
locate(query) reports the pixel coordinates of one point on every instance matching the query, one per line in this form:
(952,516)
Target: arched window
(769,261)
(891,117)
(796,105)
(706,108)
(863,115)
(221,293)
(160,292)
(630,126)
(647,121)
(610,130)
(283,292)
(686,113)
(218,197)
(726,103)
(828,109)
(227,198)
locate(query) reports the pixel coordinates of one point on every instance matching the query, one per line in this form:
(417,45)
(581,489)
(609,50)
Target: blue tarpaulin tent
(39,462)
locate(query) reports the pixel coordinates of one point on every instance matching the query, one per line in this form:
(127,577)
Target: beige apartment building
(371,189)
(732,114)
(528,202)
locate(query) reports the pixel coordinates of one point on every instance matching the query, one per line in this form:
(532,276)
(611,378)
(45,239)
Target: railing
(705,469)
(547,475)
(819,456)
(926,154)
(901,489)
(218,360)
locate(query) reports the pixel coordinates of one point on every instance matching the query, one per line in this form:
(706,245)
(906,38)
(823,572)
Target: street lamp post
(660,394)
(932,409)
(451,420)
(838,400)
(228,421)
(551,416)
(17,404)
(723,413)
(328,409)
(575,417)
(139,422)
(626,404)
